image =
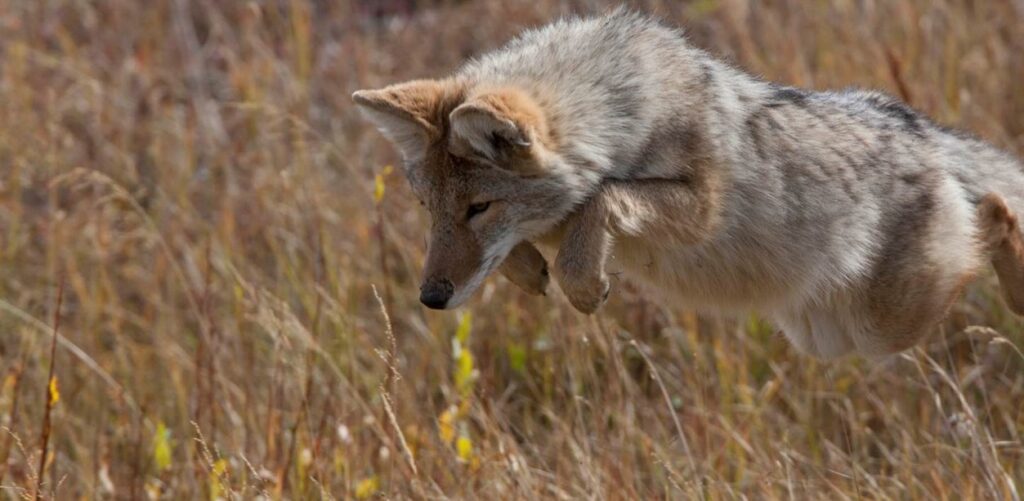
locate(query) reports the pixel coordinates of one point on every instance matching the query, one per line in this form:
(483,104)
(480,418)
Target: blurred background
(233,259)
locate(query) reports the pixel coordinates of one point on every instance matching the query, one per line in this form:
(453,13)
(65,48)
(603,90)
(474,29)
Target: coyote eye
(475,209)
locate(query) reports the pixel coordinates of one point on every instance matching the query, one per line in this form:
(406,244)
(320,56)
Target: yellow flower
(54,393)
(464,448)
(446,424)
(378,183)
(464,374)
(162,447)
(378,188)
(220,467)
(462,332)
(367,487)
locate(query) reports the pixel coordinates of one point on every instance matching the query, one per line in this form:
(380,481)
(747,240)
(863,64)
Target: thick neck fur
(595,86)
(615,89)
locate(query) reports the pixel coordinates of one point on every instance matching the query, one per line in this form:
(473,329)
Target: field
(229,258)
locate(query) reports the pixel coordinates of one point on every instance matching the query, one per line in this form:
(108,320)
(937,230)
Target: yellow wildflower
(54,392)
(367,487)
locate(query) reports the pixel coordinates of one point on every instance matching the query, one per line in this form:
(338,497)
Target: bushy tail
(1000,228)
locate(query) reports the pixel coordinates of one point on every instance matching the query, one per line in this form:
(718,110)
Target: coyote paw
(533,281)
(586,291)
(526,267)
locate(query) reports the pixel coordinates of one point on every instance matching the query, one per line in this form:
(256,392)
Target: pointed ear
(406,113)
(499,125)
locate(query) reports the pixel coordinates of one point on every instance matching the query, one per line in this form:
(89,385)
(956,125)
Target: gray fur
(829,195)
(847,217)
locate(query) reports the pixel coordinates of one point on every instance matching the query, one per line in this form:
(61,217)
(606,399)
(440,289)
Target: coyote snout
(435,293)
(455,263)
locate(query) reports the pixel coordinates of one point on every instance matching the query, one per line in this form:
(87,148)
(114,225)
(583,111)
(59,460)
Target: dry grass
(195,172)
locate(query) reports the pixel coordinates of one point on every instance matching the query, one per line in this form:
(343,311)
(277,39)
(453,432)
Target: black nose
(434,294)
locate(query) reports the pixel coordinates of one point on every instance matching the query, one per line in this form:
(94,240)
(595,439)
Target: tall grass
(240,314)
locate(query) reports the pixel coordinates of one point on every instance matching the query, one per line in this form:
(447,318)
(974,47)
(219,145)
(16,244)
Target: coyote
(847,218)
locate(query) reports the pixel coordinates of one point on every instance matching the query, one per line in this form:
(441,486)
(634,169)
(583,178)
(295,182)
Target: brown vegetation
(240,313)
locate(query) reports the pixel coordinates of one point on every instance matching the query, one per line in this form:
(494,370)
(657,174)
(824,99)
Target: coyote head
(484,164)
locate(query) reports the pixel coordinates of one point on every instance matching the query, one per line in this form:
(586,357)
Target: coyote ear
(499,125)
(406,113)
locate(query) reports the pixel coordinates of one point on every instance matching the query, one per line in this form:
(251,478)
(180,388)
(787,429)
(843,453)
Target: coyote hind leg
(1000,230)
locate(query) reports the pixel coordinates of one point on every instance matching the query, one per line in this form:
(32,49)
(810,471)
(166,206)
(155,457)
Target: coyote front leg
(579,265)
(648,209)
(526,267)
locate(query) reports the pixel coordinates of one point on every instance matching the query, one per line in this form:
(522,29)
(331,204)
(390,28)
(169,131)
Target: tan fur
(847,218)
(504,113)
(447,129)
(911,308)
(411,113)
(580,264)
(525,266)
(418,101)
(509,103)
(630,214)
